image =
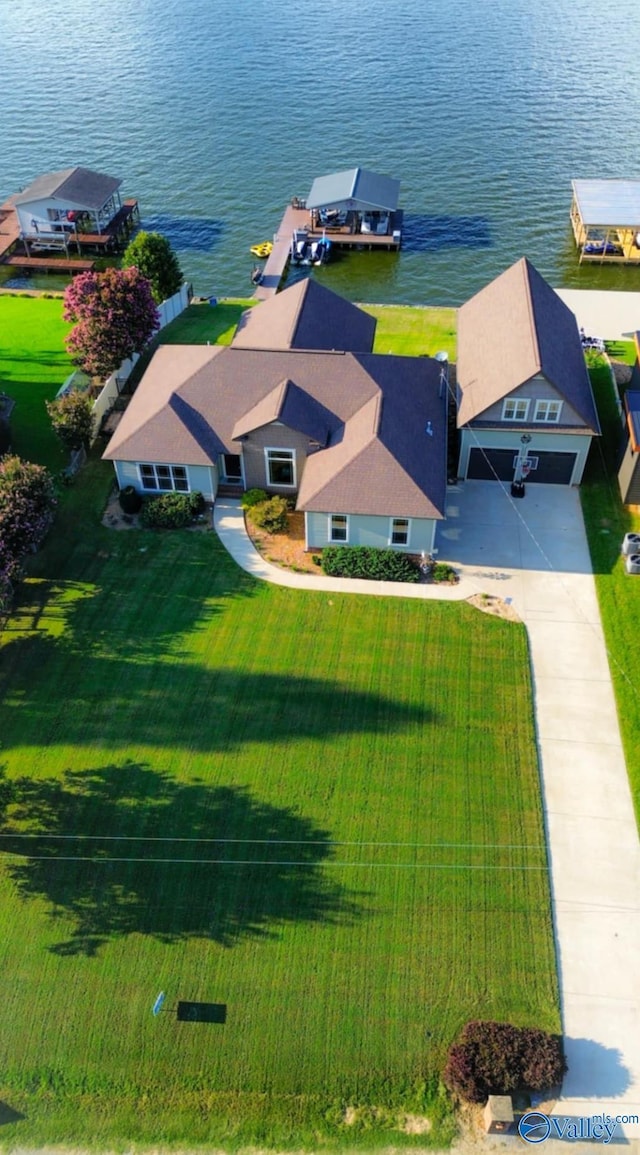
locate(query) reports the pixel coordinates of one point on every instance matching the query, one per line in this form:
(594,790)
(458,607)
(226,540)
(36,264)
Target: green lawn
(607,521)
(414,332)
(374,761)
(33,366)
(322,812)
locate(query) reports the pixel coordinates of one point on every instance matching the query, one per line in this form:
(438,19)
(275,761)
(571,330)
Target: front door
(232,465)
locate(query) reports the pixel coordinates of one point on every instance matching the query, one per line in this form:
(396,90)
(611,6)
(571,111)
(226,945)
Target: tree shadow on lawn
(188,880)
(54,696)
(132,594)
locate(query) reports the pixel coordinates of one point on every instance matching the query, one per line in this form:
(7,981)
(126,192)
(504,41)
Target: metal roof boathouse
(605,217)
(356,206)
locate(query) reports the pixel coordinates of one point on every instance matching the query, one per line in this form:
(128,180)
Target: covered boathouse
(605,217)
(357,204)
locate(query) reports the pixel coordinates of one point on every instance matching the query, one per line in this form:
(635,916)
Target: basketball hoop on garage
(525,468)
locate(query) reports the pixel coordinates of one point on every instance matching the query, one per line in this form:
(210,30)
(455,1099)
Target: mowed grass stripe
(150,689)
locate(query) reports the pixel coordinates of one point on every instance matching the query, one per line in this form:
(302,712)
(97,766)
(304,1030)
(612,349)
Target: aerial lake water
(216,112)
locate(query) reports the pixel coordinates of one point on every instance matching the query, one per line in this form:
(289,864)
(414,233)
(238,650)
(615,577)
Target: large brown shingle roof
(512,330)
(371,412)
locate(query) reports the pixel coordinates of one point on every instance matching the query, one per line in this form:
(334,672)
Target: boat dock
(49,264)
(9,227)
(16,251)
(297,217)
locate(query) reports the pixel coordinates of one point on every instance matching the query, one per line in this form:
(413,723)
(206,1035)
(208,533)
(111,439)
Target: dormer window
(548,411)
(515,409)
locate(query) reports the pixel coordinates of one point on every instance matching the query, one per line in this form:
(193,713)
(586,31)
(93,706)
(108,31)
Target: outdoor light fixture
(517,485)
(443,360)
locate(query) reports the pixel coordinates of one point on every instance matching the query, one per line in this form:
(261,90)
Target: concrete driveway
(534,551)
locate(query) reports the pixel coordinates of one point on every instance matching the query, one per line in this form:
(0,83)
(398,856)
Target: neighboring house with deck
(523,385)
(58,202)
(357,439)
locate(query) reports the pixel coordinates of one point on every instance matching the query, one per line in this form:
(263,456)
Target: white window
(515,409)
(339,527)
(399,531)
(164,477)
(548,411)
(281,467)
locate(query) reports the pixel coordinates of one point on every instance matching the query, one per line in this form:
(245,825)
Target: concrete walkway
(535,552)
(228,520)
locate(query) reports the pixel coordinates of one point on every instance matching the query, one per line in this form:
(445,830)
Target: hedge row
(363,561)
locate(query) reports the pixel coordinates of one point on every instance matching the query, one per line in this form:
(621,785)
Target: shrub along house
(523,386)
(298,405)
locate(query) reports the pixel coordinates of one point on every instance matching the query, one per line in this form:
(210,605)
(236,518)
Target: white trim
(233,480)
(515,401)
(400,544)
(291,454)
(547,401)
(341,540)
(156,465)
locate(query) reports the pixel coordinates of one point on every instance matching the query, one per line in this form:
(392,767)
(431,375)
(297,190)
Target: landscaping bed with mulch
(288,549)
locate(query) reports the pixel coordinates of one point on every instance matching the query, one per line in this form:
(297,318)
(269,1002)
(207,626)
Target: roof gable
(162,423)
(306,316)
(293,407)
(512,330)
(81,186)
(368,189)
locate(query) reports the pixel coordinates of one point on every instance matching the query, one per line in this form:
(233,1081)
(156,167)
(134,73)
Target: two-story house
(523,387)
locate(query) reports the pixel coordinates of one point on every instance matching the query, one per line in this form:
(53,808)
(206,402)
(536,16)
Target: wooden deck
(9,227)
(49,264)
(113,231)
(296,218)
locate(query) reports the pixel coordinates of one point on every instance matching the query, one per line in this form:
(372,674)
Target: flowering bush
(115,316)
(497,1058)
(27,502)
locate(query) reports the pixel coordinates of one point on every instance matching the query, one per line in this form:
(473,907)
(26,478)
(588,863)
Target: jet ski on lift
(301,247)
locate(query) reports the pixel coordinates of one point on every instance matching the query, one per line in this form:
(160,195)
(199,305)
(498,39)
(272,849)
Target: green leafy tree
(153,256)
(72,419)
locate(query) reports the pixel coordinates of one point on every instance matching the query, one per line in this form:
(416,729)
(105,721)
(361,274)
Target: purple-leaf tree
(27,501)
(114,316)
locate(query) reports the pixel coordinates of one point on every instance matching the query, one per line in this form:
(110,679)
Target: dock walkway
(298,218)
(49,264)
(9,227)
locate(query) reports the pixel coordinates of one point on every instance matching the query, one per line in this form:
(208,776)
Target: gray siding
(369,530)
(509,438)
(272,437)
(537,389)
(201,477)
(629,477)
